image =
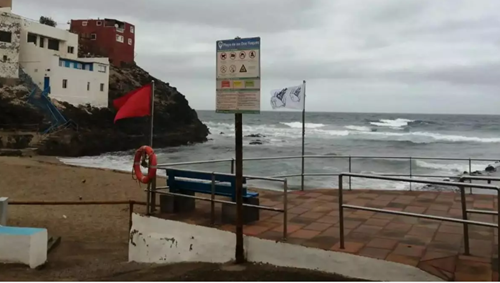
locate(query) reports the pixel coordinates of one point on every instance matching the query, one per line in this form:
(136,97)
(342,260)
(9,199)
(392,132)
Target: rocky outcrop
(175,122)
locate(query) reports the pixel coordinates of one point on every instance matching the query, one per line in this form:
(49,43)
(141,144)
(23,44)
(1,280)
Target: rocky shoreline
(175,122)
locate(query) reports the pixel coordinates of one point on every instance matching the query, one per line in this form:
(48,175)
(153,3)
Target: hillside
(175,122)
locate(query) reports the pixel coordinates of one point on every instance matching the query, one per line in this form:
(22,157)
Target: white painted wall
(10,67)
(76,92)
(23,245)
(155,240)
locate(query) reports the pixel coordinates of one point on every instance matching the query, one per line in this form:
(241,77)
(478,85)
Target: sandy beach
(94,238)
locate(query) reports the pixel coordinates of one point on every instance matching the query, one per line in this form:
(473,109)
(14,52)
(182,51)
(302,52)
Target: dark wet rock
(175,122)
(256,142)
(476,173)
(221,133)
(10,152)
(490,169)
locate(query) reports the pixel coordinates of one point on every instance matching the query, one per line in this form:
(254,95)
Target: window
(5,58)
(101,68)
(99,23)
(32,37)
(5,36)
(53,44)
(71,49)
(65,83)
(130,41)
(42,42)
(102,87)
(93,36)
(119,38)
(88,86)
(84,23)
(61,63)
(131,29)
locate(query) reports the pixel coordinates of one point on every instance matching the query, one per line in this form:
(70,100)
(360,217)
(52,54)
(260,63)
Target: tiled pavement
(433,246)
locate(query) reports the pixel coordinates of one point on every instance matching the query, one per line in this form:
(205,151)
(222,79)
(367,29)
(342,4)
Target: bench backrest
(225,184)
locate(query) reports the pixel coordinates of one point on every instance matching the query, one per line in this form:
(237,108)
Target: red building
(107,38)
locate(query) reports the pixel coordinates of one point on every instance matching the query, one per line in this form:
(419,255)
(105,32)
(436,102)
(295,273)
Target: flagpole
(303,136)
(152,113)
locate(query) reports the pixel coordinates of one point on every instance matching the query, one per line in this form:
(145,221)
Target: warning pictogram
(223,56)
(232,68)
(252,54)
(223,69)
(243,55)
(232,56)
(243,69)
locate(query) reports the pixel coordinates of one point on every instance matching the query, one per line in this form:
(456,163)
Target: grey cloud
(258,16)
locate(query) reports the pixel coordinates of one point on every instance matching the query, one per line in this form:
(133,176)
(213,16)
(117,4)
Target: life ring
(145,150)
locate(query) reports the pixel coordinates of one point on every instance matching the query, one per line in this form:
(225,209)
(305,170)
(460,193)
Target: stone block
(250,214)
(23,245)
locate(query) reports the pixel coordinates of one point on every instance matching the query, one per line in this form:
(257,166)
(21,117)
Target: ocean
(391,137)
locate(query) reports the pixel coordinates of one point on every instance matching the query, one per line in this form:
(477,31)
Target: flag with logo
(288,97)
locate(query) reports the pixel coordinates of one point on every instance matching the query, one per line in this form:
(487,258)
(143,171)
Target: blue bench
(189,183)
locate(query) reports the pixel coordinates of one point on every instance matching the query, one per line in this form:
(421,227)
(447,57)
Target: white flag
(288,97)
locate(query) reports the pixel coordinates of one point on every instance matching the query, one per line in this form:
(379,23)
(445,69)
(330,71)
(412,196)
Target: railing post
(341,212)
(285,208)
(350,171)
(470,172)
(212,203)
(498,232)
(302,170)
(232,165)
(464,217)
(411,171)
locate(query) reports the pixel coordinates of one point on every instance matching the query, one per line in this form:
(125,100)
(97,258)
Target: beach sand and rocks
(94,238)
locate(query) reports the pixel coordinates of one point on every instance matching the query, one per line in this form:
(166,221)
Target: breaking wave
(396,124)
(299,125)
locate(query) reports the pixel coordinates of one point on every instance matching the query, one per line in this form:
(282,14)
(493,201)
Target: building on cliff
(106,37)
(5,6)
(49,55)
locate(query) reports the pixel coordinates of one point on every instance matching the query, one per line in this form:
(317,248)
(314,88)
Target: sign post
(238,92)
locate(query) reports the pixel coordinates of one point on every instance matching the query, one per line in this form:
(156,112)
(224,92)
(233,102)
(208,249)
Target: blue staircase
(40,99)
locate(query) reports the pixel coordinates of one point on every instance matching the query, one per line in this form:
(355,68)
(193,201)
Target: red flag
(136,103)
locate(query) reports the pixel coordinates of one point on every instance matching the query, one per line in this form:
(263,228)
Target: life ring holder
(139,154)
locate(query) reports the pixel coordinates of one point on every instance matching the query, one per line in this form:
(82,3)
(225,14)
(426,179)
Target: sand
(94,238)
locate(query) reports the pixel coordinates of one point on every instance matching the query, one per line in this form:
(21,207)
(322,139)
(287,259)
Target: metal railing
(212,200)
(350,158)
(460,185)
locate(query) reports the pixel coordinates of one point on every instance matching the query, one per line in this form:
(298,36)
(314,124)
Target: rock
(476,173)
(175,123)
(256,142)
(221,133)
(490,169)
(10,152)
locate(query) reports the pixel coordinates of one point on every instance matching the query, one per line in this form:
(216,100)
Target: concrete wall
(23,245)
(106,43)
(155,240)
(43,33)
(10,51)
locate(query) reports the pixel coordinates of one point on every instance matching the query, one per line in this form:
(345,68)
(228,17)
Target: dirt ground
(94,238)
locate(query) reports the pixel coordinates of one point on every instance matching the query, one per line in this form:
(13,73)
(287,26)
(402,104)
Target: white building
(50,56)
(10,44)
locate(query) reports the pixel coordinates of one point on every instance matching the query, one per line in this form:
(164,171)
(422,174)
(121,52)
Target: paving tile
(421,231)
(334,232)
(298,210)
(377,222)
(415,240)
(367,229)
(477,271)
(385,197)
(445,263)
(409,250)
(455,239)
(439,207)
(300,220)
(328,219)
(382,243)
(431,254)
(318,226)
(378,203)
(408,260)
(479,204)
(254,230)
(393,234)
(350,224)
(438,245)
(313,215)
(271,235)
(415,209)
(320,242)
(359,237)
(474,258)
(290,228)
(450,229)
(432,270)
(350,247)
(304,234)
(401,227)
(374,252)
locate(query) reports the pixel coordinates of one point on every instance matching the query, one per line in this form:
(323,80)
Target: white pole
(303,135)
(152,112)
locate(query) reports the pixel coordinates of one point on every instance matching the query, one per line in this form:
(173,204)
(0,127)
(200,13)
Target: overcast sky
(413,56)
